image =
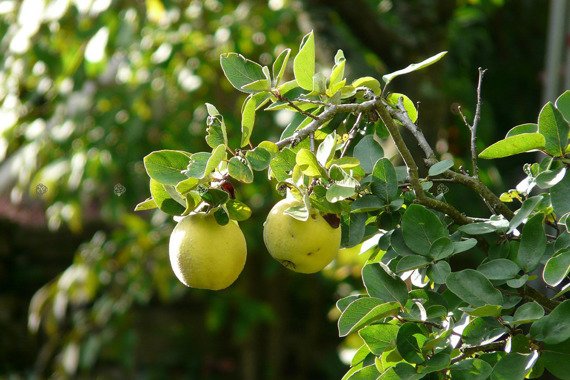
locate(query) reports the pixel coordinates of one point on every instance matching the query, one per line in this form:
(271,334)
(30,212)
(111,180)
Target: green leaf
(353,233)
(221,216)
(559,196)
(247,120)
(555,327)
(438,272)
(523,128)
(554,128)
(367,203)
(166,166)
(214,197)
(437,362)
(259,158)
(240,71)
(147,204)
(471,369)
(526,209)
(407,263)
(282,164)
(409,340)
(478,228)
(512,366)
(326,149)
(343,303)
(441,248)
(527,313)
(413,67)
(549,178)
(394,98)
(524,142)
(187,185)
(363,311)
(299,212)
(258,86)
(499,269)
(384,180)
(381,284)
(239,169)
(463,245)
(483,330)
(342,189)
(164,200)
(238,210)
(304,62)
(280,65)
(197,165)
(307,162)
(365,373)
(533,243)
(401,371)
(370,82)
(379,337)
(216,133)
(557,268)
(556,359)
(563,104)
(440,167)
(368,151)
(483,311)
(474,288)
(421,228)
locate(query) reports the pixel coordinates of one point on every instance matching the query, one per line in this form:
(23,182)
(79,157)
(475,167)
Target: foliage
(420,315)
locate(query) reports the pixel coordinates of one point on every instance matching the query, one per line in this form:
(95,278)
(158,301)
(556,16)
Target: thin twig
(351,134)
(293,105)
(312,141)
(312,101)
(476,120)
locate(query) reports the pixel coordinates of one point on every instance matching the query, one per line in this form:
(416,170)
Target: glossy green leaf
(554,128)
(197,165)
(379,337)
(240,71)
(499,269)
(533,243)
(363,311)
(368,151)
(304,62)
(555,327)
(527,313)
(343,303)
(382,285)
(549,178)
(214,197)
(370,82)
(474,288)
(147,204)
(483,311)
(164,200)
(166,166)
(421,228)
(440,167)
(524,142)
(221,216)
(387,78)
(524,212)
(365,373)
(307,162)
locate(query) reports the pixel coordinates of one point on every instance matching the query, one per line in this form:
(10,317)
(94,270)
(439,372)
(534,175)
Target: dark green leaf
(368,151)
(421,228)
(533,243)
(559,196)
(221,217)
(512,366)
(342,303)
(527,313)
(437,362)
(363,311)
(554,128)
(304,62)
(366,203)
(474,288)
(166,166)
(440,167)
(385,182)
(471,369)
(438,272)
(164,200)
(463,245)
(240,71)
(499,269)
(409,340)
(556,359)
(478,228)
(555,327)
(483,311)
(411,262)
(526,209)
(483,330)
(383,285)
(354,233)
(525,142)
(441,248)
(214,197)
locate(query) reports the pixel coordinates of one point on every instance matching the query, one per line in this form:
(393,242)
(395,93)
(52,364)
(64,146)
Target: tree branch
(473,128)
(489,347)
(351,134)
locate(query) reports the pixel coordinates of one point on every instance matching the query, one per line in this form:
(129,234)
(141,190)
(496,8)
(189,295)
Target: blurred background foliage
(89,87)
